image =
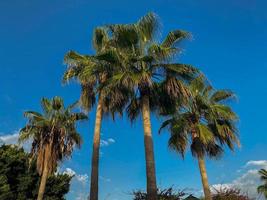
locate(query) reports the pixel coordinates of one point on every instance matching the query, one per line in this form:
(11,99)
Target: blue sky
(229,46)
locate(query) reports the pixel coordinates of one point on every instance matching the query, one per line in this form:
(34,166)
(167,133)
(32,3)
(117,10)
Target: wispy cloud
(257,163)
(248,181)
(82,177)
(105,143)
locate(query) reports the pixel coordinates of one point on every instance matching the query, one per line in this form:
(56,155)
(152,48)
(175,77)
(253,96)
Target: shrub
(229,194)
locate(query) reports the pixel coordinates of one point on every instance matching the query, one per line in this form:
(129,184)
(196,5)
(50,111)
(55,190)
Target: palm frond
(147,27)
(174,37)
(221,95)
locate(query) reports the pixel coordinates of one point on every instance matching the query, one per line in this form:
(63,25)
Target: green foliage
(19,180)
(262,189)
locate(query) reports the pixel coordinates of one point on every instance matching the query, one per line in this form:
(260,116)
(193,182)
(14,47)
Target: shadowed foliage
(19,179)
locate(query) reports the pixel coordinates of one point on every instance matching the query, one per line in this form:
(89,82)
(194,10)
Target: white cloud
(257,163)
(82,178)
(248,181)
(69,172)
(10,138)
(105,143)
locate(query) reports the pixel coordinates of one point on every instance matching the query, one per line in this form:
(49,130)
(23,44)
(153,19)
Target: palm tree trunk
(45,173)
(149,152)
(95,154)
(204,177)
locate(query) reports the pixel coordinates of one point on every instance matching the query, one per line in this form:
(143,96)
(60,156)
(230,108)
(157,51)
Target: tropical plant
(53,134)
(91,71)
(19,179)
(145,70)
(205,123)
(262,189)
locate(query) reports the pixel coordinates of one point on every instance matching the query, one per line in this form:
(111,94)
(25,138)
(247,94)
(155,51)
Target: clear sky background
(229,46)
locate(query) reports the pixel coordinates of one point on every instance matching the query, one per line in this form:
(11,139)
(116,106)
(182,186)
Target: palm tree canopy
(145,65)
(262,189)
(206,122)
(56,125)
(92,70)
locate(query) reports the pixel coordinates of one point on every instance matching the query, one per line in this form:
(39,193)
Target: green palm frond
(263,174)
(262,189)
(205,134)
(221,95)
(174,37)
(147,27)
(160,53)
(223,112)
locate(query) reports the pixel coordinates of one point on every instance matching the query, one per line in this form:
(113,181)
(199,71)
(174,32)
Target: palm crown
(205,121)
(93,70)
(56,128)
(145,66)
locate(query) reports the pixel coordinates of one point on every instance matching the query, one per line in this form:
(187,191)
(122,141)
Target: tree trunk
(149,152)
(45,173)
(95,154)
(204,177)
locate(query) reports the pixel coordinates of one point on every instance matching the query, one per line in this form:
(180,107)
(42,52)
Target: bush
(165,194)
(229,194)
(20,181)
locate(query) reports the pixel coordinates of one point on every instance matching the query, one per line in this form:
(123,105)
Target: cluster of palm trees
(134,72)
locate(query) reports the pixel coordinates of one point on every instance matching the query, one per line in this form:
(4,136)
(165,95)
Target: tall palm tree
(146,69)
(205,123)
(262,189)
(53,134)
(91,71)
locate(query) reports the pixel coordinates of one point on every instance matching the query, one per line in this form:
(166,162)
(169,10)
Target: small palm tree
(206,123)
(262,189)
(53,134)
(146,70)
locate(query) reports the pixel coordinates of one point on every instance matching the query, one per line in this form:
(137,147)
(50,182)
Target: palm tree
(145,70)
(206,123)
(91,71)
(53,136)
(262,189)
